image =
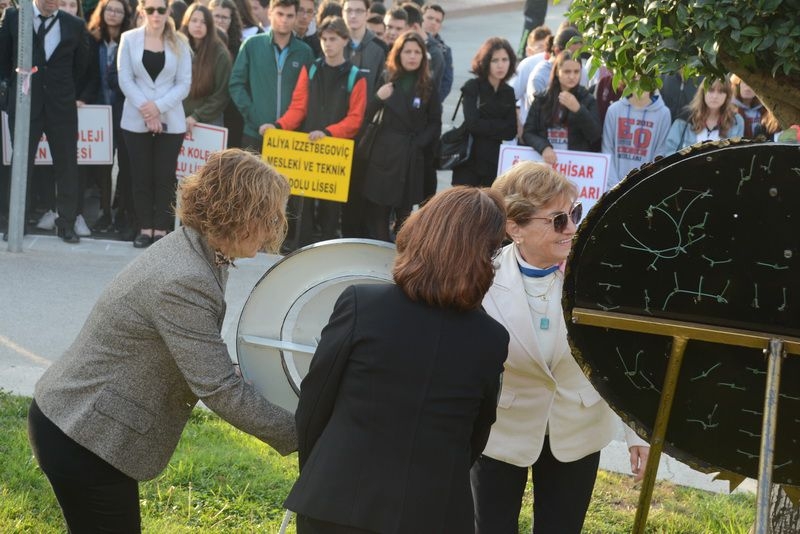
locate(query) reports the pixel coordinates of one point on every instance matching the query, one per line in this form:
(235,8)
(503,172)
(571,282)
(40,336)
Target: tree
(759,40)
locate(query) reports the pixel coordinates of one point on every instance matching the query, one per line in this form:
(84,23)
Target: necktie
(42,25)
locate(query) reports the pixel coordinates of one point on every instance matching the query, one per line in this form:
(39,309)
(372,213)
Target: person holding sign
(550,419)
(412,121)
(266,71)
(155,73)
(111,410)
(211,68)
(566,116)
(402,389)
(329,100)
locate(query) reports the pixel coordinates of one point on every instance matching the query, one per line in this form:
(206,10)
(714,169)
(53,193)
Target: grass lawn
(222,480)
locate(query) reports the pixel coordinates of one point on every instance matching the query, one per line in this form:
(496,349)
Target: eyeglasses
(223,18)
(560,220)
(355,11)
(115,11)
(151,10)
(306,12)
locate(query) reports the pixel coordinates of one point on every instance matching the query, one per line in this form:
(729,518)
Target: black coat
(397,404)
(584,126)
(491,118)
(395,169)
(53,87)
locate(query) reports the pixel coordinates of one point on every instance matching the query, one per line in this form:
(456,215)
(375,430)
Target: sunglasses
(560,220)
(151,10)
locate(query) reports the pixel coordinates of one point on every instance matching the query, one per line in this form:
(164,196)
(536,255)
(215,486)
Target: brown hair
(98,27)
(445,249)
(336,25)
(482,59)
(528,186)
(699,111)
(231,193)
(206,51)
(394,66)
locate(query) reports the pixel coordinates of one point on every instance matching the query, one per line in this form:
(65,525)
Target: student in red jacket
(328,100)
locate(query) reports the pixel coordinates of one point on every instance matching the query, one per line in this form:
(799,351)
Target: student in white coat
(155,74)
(549,417)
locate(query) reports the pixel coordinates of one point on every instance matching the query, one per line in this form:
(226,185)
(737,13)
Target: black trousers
(309,525)
(466,175)
(535,12)
(561,493)
(153,158)
(62,136)
(94,496)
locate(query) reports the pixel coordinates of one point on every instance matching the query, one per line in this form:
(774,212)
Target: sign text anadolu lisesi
(318,169)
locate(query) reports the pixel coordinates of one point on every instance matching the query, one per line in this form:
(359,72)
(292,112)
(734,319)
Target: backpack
(351,79)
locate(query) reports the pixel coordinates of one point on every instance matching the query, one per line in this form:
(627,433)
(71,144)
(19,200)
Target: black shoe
(68,235)
(142,241)
(103,224)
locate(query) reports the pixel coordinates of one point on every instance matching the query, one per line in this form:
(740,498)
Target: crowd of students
(253,65)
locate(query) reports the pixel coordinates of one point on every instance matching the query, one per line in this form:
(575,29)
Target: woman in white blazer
(155,74)
(549,417)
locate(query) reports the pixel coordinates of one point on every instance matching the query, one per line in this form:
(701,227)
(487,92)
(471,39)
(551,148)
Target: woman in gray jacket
(110,412)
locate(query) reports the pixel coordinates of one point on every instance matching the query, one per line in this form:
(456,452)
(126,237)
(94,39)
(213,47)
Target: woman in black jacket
(402,390)
(412,120)
(565,116)
(489,111)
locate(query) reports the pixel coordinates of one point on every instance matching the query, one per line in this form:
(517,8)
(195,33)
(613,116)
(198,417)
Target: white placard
(587,170)
(95,139)
(198,145)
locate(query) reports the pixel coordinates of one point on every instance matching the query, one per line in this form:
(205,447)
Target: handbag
(455,144)
(364,146)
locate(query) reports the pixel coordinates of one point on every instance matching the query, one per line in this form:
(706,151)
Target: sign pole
(22,128)
(768,430)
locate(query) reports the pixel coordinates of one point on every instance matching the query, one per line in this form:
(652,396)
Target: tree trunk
(784,516)
(779,93)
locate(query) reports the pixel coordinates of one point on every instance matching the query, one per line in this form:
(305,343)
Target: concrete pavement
(48,290)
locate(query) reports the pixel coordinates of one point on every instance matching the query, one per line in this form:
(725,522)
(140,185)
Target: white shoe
(47,221)
(81,228)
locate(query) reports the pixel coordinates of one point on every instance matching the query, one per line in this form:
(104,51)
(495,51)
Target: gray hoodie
(634,136)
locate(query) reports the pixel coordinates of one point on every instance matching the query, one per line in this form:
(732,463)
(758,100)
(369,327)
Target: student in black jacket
(565,116)
(490,111)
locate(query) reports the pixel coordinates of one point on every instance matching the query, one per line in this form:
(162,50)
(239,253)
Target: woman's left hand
(149,110)
(568,100)
(316,135)
(154,125)
(639,455)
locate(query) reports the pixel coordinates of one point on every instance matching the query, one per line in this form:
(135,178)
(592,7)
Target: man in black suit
(60,45)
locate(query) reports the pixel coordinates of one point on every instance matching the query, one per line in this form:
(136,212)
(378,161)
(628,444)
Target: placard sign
(95,139)
(198,145)
(587,170)
(318,169)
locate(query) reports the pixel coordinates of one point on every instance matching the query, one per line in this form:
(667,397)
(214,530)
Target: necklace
(544,321)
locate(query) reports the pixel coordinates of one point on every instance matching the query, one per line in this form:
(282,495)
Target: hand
(549,156)
(264,127)
(80,103)
(639,455)
(154,125)
(316,135)
(385,91)
(149,110)
(190,122)
(568,100)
